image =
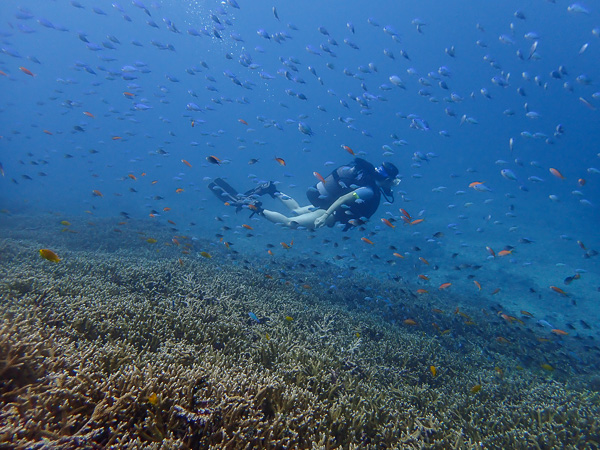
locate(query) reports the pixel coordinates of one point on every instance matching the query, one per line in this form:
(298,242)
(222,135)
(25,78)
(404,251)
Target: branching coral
(141,352)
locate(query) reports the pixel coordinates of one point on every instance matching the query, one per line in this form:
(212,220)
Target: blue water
(242,76)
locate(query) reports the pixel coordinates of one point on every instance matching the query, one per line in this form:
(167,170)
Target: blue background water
(63,89)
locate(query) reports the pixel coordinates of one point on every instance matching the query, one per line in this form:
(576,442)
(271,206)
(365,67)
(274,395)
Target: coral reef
(134,349)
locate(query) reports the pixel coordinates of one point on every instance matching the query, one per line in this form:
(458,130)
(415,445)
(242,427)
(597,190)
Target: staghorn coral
(110,349)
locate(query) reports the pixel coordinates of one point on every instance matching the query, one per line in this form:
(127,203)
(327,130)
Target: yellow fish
(433,370)
(547,367)
(65,223)
(49,255)
(205,255)
(475,389)
(153,399)
(151,241)
(289,318)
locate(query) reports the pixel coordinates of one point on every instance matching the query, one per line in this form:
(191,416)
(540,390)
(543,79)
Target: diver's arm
(346,198)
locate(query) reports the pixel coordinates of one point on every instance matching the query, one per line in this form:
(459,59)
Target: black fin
(223,190)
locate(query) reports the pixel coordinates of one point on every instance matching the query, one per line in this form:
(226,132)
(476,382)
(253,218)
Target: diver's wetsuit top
(343,180)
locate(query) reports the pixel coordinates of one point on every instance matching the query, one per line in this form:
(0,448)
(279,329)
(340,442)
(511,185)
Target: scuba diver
(349,196)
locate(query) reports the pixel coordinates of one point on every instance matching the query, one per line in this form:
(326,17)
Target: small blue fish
(253,317)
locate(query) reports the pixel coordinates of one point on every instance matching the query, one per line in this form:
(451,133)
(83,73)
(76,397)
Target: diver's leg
(307,220)
(276,217)
(288,201)
(293,205)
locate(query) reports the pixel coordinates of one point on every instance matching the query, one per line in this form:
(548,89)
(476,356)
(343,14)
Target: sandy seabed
(128,344)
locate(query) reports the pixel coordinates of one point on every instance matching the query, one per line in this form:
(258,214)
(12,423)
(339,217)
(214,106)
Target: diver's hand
(320,221)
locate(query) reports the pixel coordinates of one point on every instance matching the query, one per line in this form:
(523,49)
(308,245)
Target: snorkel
(386,178)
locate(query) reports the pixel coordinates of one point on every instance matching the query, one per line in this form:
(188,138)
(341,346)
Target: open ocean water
(471,299)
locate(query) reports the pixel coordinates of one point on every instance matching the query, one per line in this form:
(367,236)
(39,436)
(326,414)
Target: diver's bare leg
(293,205)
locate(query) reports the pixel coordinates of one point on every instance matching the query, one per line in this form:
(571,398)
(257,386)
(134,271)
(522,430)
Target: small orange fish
(166,208)
(132,176)
(398,255)
(242,121)
(213,160)
(502,340)
(89,114)
(582,245)
(444,286)
(285,245)
(405,214)
(48,132)
(116,138)
(3,73)
(270,252)
(526,313)
(388,223)
(504,252)
(179,190)
(280,161)
(414,222)
(368,241)
(26,71)
(319,177)
(128,94)
(348,149)
(247,227)
(154,181)
(495,291)
(475,183)
(186,163)
(559,332)
(422,291)
(491,251)
(556,173)
(509,319)
(581,182)
(171,222)
(423,260)
(410,322)
(477,284)
(424,277)
(559,290)
(97,193)
(437,311)
(49,255)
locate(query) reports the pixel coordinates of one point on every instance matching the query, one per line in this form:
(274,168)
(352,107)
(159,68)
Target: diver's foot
(256,208)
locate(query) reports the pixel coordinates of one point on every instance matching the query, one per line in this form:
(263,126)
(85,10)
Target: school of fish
(495,133)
